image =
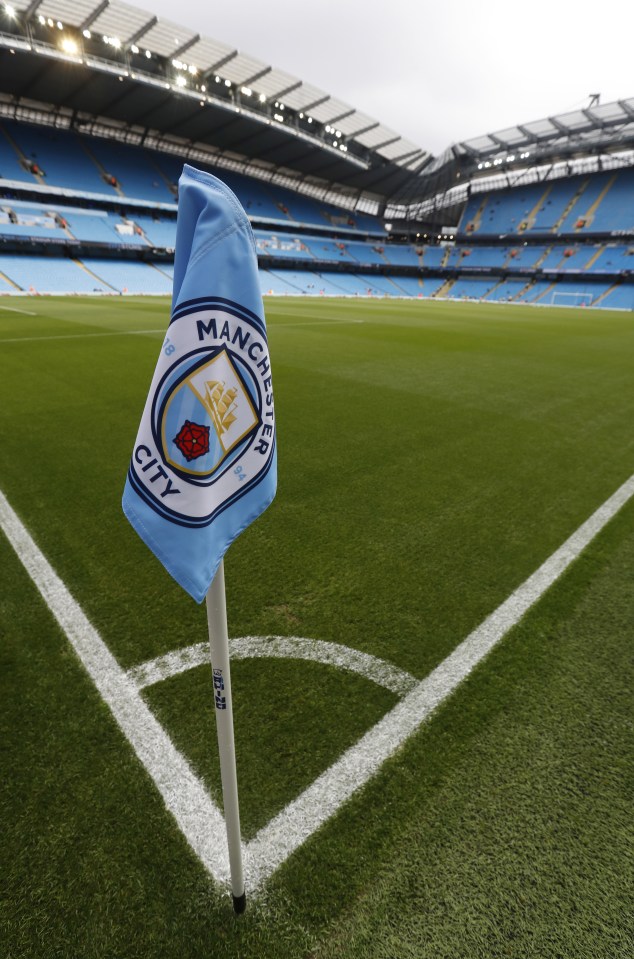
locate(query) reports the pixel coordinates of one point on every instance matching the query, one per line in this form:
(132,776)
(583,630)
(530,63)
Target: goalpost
(570,299)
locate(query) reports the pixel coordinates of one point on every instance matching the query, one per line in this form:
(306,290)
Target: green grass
(431,457)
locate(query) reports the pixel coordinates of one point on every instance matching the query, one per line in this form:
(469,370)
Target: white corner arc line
(198,817)
(277,647)
(185,796)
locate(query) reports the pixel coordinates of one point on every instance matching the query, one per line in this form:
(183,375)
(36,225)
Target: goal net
(570,299)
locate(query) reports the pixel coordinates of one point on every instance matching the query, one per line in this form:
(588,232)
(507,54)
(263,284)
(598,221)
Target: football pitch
(432,457)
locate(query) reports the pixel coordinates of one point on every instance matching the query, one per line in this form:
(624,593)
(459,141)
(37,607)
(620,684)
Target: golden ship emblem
(221,405)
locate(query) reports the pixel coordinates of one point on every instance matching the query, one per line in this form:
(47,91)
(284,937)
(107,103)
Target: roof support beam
(410,153)
(219,63)
(342,116)
(256,76)
(357,133)
(147,26)
(531,137)
(623,105)
(282,93)
(90,19)
(559,126)
(385,143)
(32,8)
(315,103)
(185,46)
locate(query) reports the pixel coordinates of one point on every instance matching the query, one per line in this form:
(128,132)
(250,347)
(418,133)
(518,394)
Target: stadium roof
(180,83)
(106,67)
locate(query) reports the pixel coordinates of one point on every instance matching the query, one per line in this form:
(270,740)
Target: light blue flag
(204,464)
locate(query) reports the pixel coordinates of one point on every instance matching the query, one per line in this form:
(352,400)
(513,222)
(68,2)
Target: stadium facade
(101,103)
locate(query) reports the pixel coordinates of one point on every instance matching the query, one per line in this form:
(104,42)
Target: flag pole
(219,646)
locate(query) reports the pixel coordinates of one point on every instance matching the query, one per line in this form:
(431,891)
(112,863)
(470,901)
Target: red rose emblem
(192,440)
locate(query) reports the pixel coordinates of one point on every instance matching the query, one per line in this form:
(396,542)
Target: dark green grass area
(292,720)
(431,457)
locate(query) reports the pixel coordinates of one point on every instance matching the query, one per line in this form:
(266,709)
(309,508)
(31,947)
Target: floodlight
(278,117)
(134,48)
(50,22)
(479,166)
(247,91)
(281,106)
(9,10)
(334,143)
(180,81)
(203,88)
(327,129)
(148,54)
(60,25)
(69,45)
(116,42)
(227,83)
(262,98)
(217,79)
(87,34)
(192,69)
(511,158)
(310,119)
(42,19)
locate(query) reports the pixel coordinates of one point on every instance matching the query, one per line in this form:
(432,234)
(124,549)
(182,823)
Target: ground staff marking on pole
(185,796)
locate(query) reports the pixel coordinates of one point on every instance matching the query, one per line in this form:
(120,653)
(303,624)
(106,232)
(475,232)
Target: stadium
(430,628)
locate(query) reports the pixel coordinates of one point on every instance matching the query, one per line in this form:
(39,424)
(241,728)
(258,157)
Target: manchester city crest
(207,433)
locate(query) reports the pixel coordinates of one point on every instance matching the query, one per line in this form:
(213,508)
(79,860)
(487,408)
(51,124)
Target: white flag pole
(219,644)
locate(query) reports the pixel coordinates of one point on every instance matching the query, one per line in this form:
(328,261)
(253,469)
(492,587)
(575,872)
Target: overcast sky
(434,72)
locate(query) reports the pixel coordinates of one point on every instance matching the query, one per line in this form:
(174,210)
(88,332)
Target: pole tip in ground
(240,903)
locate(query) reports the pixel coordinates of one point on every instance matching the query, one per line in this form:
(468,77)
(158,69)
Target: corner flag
(204,463)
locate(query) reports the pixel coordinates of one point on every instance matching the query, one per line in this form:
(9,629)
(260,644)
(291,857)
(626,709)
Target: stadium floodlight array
(145,48)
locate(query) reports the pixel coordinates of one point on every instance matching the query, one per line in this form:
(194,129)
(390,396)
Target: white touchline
(185,796)
(287,831)
(14,309)
(75,336)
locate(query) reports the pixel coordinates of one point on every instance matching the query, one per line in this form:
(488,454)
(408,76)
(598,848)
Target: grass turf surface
(431,457)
